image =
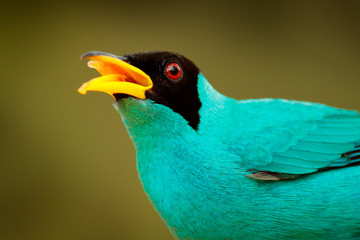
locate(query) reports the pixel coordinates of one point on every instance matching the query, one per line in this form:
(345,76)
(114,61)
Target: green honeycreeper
(219,168)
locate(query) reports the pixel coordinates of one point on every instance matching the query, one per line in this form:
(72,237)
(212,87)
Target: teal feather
(196,179)
(331,138)
(340,162)
(354,155)
(330,148)
(311,156)
(298,162)
(291,167)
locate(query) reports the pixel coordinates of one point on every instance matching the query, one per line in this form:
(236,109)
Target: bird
(219,168)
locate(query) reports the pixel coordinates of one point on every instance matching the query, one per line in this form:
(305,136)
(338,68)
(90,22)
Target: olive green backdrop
(67,166)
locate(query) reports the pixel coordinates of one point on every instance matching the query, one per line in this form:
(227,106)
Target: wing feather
(329,148)
(313,144)
(298,162)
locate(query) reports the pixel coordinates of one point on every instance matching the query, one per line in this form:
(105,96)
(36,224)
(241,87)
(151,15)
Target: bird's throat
(149,123)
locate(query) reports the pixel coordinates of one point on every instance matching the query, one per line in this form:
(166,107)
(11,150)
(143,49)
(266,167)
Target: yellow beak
(117,76)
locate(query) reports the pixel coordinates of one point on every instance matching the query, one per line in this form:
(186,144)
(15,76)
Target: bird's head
(157,78)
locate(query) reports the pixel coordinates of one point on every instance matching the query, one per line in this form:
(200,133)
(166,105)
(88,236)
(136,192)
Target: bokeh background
(68,168)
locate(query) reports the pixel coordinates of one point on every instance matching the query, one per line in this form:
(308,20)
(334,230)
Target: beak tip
(82,90)
(90,54)
(87,55)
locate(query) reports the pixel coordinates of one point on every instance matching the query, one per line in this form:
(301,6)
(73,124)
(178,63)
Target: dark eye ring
(173,71)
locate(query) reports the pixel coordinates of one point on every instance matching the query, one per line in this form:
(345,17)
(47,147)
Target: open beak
(117,76)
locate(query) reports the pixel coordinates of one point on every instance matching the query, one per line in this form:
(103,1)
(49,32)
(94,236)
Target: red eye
(173,71)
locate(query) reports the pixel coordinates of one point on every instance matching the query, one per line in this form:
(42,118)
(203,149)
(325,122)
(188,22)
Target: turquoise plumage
(302,158)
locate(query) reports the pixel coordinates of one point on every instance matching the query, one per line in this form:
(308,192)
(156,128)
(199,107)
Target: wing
(301,138)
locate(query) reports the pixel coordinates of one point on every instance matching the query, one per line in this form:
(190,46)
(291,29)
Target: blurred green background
(68,168)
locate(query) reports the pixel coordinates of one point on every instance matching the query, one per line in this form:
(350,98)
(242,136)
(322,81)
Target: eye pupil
(173,71)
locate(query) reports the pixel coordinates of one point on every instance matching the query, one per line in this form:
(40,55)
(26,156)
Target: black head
(174,82)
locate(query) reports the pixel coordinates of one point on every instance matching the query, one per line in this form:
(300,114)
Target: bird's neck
(209,97)
(216,109)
